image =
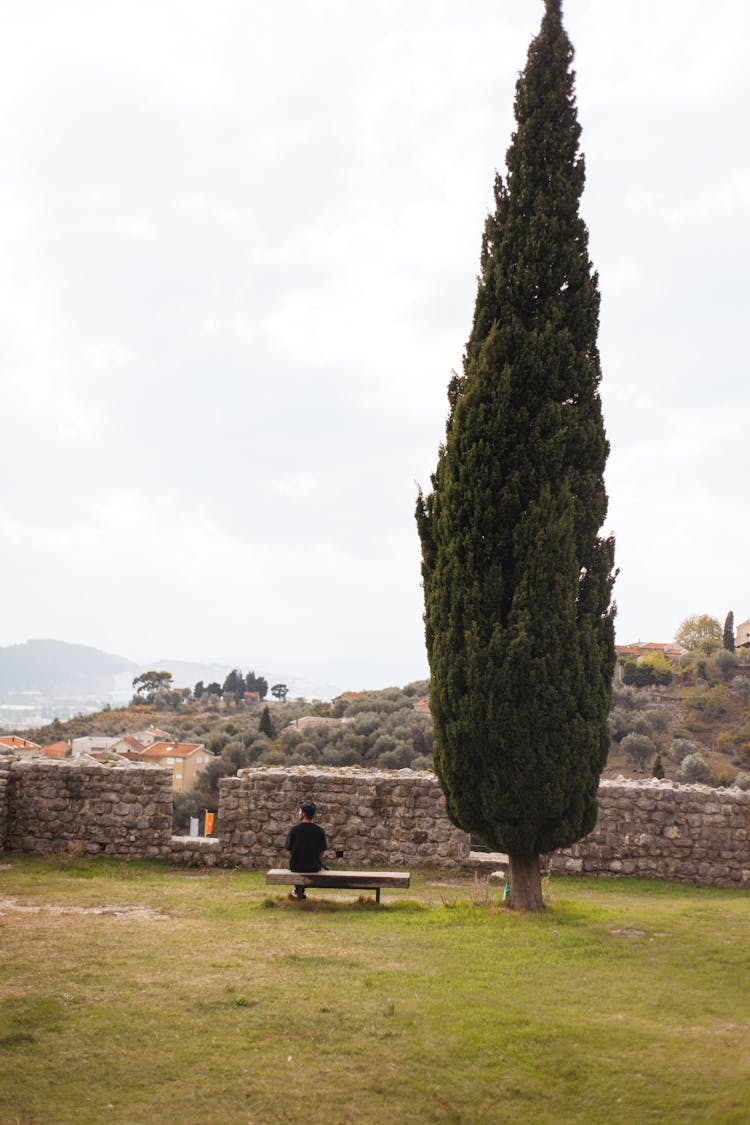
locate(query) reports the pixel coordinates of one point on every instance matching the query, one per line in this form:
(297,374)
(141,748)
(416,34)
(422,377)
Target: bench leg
(377,896)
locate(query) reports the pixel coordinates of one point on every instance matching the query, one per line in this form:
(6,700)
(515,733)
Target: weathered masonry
(375,818)
(660,830)
(55,808)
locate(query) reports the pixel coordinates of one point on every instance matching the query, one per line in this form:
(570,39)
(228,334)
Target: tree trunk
(525,883)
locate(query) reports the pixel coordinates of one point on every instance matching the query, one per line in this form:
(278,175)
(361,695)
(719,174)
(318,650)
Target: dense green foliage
(517,580)
(654,668)
(729,632)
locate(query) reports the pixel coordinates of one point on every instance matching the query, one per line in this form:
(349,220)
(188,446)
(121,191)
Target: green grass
(139,994)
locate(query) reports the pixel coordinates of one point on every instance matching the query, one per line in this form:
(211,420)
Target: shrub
(694,767)
(726,742)
(711,701)
(657,769)
(628,698)
(740,686)
(742,781)
(725,663)
(620,723)
(681,747)
(658,718)
(639,748)
(657,667)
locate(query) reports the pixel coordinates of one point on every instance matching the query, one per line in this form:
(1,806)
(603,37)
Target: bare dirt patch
(132,913)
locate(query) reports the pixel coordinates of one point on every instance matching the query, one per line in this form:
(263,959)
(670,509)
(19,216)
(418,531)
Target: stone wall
(57,807)
(377,819)
(661,830)
(4,782)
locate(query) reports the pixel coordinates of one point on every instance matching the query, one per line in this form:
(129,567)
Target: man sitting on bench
(305,843)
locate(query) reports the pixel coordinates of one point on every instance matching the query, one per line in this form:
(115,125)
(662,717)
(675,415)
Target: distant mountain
(58,668)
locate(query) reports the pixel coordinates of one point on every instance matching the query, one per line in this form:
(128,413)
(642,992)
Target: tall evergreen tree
(729,632)
(265,726)
(517,580)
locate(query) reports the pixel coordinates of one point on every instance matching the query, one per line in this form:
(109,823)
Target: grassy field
(133,993)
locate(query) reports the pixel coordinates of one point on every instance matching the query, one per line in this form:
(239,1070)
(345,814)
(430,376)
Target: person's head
(307,810)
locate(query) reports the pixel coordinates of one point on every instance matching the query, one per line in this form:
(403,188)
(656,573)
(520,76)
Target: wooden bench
(353,880)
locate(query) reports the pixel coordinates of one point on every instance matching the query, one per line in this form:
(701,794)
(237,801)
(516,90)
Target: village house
(742,635)
(151,734)
(129,747)
(672,651)
(22,747)
(92,744)
(185,759)
(57,750)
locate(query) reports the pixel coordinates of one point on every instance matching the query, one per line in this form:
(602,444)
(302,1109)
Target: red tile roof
(133,743)
(16,742)
(55,750)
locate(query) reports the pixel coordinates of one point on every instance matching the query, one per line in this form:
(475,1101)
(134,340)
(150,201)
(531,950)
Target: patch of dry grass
(131,993)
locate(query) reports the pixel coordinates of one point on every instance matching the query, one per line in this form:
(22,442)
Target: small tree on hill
(658,767)
(694,768)
(517,581)
(701,630)
(729,632)
(265,725)
(256,683)
(639,748)
(149,685)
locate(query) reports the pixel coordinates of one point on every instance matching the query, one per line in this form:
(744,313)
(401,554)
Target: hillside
(699,727)
(58,668)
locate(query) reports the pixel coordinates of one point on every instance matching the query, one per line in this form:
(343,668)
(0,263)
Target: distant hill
(59,668)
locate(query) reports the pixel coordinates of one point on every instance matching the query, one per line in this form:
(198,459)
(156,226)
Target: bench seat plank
(352,879)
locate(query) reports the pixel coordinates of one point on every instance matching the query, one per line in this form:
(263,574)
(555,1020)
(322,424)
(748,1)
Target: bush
(694,768)
(740,686)
(711,701)
(627,698)
(725,663)
(658,718)
(657,770)
(639,748)
(620,723)
(680,749)
(742,781)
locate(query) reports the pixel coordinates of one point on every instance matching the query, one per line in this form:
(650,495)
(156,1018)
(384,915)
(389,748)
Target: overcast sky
(240,242)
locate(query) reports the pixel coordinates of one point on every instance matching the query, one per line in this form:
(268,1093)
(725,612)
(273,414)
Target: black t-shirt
(305,841)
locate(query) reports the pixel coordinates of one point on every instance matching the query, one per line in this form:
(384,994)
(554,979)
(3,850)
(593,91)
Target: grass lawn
(133,993)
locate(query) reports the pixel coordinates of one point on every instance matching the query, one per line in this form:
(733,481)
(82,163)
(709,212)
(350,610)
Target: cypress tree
(729,632)
(517,580)
(265,726)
